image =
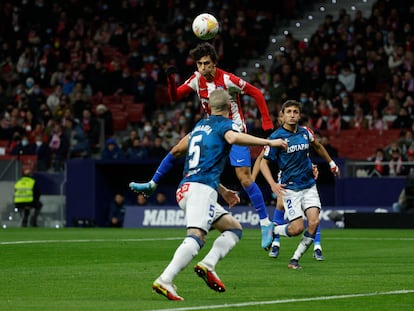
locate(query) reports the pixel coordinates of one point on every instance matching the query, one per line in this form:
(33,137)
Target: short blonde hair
(219,100)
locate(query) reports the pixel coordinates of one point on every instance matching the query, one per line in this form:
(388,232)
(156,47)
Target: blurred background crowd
(87,78)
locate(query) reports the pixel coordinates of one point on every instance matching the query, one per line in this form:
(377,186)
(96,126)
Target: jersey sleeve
(254,92)
(311,134)
(178,93)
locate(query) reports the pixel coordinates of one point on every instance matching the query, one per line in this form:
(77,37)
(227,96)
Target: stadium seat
(110,99)
(115,107)
(120,121)
(135,112)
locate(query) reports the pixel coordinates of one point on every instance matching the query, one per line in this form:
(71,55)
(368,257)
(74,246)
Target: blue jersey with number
(294,163)
(208,151)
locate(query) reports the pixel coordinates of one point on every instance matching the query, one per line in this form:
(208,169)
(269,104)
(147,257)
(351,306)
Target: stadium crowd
(68,70)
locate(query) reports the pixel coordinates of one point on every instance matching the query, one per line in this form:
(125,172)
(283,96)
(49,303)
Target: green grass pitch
(113,269)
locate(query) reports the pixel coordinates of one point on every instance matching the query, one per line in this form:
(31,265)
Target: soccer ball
(205,26)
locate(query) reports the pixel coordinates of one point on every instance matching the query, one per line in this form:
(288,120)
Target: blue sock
(256,197)
(317,240)
(279,218)
(165,166)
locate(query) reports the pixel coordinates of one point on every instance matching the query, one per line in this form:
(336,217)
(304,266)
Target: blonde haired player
(209,145)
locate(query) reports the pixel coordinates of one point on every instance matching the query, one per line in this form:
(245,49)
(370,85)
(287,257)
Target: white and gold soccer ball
(205,26)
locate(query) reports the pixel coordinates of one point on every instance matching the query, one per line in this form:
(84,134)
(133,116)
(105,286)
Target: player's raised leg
(165,166)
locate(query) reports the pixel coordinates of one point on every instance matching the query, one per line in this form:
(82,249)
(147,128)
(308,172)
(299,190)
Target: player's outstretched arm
(249,140)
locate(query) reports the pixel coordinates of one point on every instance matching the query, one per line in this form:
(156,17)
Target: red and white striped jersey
(227,81)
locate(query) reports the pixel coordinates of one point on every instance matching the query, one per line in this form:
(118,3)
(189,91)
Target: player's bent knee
(199,240)
(238,232)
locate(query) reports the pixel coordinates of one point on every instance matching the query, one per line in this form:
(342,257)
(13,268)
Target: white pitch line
(86,241)
(169,239)
(273,302)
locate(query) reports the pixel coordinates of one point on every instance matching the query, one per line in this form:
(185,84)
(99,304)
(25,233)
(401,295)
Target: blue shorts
(240,156)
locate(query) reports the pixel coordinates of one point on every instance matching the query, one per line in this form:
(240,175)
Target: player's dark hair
(290,103)
(204,49)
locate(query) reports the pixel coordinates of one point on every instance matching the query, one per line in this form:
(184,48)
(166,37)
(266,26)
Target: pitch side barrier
(91,185)
(172,216)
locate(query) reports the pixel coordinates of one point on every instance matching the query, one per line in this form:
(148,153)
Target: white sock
(265,222)
(281,230)
(221,247)
(303,246)
(183,255)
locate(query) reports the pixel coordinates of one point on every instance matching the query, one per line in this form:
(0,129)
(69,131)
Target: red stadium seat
(135,112)
(120,121)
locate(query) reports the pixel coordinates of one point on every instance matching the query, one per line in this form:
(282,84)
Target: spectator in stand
(324,107)
(137,151)
(53,99)
(334,122)
(392,108)
(90,127)
(161,199)
(59,145)
(30,124)
(406,142)
(78,104)
(16,127)
(409,167)
(142,200)
(347,77)
(112,151)
(157,151)
(345,105)
(45,115)
(6,131)
(409,104)
(364,81)
(64,104)
(380,167)
(43,153)
(23,146)
(104,115)
(117,211)
(78,142)
(377,121)
(277,88)
(316,121)
(403,120)
(359,121)
(396,165)
(127,143)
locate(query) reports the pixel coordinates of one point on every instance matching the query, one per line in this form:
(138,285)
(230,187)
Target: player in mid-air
(297,186)
(206,79)
(209,144)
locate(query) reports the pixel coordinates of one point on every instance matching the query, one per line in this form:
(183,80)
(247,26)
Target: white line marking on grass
(170,239)
(273,302)
(86,241)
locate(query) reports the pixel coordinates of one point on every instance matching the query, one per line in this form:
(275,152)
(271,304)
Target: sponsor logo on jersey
(298,147)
